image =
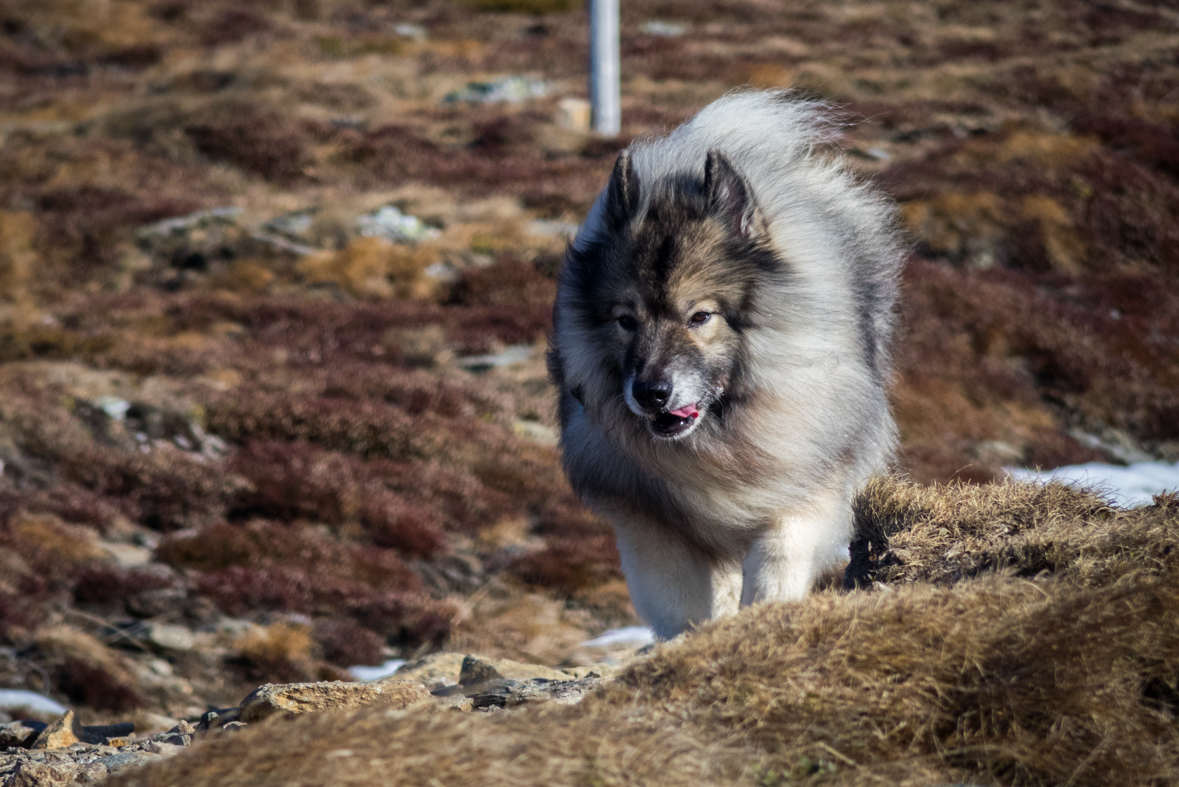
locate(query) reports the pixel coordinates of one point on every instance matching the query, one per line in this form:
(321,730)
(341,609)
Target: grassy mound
(1057,671)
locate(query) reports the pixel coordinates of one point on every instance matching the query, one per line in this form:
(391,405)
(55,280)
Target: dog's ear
(622,195)
(730,197)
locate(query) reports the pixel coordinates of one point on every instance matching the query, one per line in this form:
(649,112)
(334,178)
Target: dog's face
(668,293)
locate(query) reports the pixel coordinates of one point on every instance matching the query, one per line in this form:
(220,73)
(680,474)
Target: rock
(656,27)
(513,693)
(573,114)
(512,354)
(182,728)
(42,774)
(90,773)
(390,223)
(66,731)
(455,702)
(476,669)
(294,699)
(434,670)
(165,748)
(182,225)
(536,432)
(120,760)
(216,719)
(170,636)
(127,555)
(513,89)
(19,734)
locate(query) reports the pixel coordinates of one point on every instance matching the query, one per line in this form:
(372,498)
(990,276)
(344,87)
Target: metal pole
(604,67)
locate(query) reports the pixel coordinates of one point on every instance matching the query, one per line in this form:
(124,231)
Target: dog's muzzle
(653,397)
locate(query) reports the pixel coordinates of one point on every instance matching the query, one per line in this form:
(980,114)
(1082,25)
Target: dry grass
(1068,678)
(909,533)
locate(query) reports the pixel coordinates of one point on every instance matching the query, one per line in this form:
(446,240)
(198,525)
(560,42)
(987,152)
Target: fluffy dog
(721,349)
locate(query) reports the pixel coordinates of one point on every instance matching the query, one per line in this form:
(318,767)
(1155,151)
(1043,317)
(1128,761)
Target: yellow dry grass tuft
(372,267)
(17,263)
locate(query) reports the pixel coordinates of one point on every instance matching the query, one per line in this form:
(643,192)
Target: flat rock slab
(439,671)
(476,669)
(294,699)
(508,693)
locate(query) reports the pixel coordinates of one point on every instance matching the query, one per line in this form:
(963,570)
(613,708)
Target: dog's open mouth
(671,423)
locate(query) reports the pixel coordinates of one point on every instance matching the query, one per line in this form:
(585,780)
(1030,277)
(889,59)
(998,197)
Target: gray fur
(792,265)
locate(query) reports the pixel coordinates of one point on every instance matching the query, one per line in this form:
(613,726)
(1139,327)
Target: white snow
(1131,485)
(375,673)
(631,636)
(14,699)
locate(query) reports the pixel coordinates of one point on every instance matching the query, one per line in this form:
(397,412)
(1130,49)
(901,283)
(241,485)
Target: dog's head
(664,293)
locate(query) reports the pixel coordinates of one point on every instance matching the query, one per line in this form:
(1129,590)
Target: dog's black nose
(651,395)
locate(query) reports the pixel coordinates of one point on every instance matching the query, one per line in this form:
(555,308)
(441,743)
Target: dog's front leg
(672,585)
(780,565)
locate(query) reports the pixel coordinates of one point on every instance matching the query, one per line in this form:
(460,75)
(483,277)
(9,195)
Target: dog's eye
(627,323)
(699,318)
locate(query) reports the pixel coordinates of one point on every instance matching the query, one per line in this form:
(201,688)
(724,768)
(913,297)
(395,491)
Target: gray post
(604,67)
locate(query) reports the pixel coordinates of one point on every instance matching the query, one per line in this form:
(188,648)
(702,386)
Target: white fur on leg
(781,565)
(673,586)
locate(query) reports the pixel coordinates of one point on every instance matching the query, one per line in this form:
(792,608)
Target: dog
(720,347)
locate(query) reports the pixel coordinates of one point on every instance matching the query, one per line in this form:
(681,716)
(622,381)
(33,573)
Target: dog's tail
(763,132)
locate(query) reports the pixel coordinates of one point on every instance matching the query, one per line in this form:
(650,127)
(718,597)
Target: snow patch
(378,672)
(16,699)
(1130,486)
(631,636)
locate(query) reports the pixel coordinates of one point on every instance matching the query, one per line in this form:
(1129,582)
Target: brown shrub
(523,6)
(232,24)
(319,565)
(17,257)
(989,355)
(1129,219)
(107,583)
(509,281)
(263,143)
(567,566)
(405,619)
(415,391)
(292,481)
(1148,143)
(368,429)
(165,489)
(265,567)
(87,222)
(345,643)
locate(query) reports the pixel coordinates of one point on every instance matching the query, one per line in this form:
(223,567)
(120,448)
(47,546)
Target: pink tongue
(686,412)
